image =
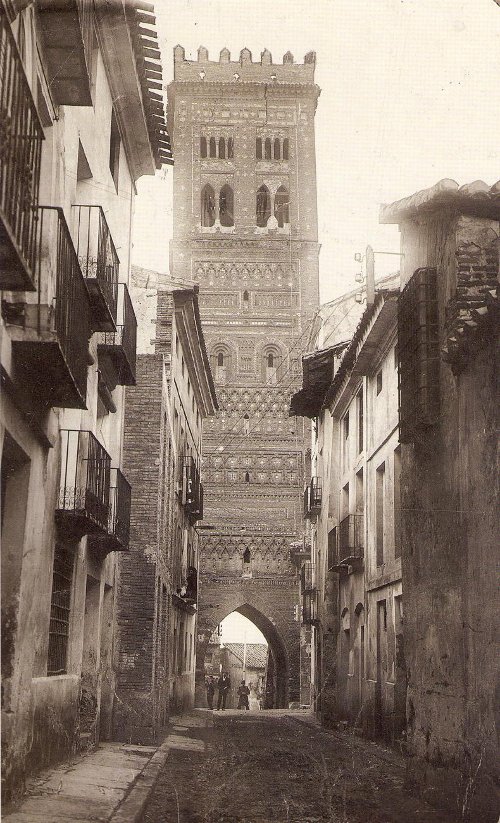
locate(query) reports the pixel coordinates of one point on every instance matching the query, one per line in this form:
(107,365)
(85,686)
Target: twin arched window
(208,206)
(272,148)
(213,147)
(281,206)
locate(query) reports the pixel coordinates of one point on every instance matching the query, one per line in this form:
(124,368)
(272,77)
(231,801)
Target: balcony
(99,264)
(307,577)
(50,337)
(187,595)
(312,498)
(68,58)
(118,532)
(192,489)
(350,543)
(84,490)
(21,136)
(300,551)
(116,350)
(310,608)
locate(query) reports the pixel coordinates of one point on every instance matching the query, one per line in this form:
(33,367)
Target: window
(220,359)
(247,477)
(246,424)
(267,148)
(230,148)
(379,381)
(285,148)
(258,148)
(379,512)
(246,299)
(270,361)
(418,341)
(345,440)
(207,206)
(222,148)
(277,149)
(114,150)
(360,421)
(203,146)
(360,495)
(397,502)
(60,605)
(263,206)
(281,207)
(213,147)
(226,206)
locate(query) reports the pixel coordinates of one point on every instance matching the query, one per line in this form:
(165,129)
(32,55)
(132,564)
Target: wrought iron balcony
(99,264)
(312,498)
(192,489)
(67,32)
(21,136)
(307,577)
(50,337)
(310,608)
(116,350)
(350,542)
(84,490)
(118,531)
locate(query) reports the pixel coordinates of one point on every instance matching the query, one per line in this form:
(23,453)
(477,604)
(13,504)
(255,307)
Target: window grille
(60,605)
(418,351)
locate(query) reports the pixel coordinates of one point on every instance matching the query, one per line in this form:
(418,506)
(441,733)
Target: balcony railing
(192,489)
(117,350)
(312,497)
(67,32)
(84,491)
(310,608)
(351,539)
(307,577)
(99,264)
(21,136)
(117,536)
(50,338)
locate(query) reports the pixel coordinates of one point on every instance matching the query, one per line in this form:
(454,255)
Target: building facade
(245,230)
(448,415)
(71,155)
(157,580)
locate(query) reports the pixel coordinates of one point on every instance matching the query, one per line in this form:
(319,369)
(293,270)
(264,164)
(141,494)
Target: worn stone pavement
(231,767)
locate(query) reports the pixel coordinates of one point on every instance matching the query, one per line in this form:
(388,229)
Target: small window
(246,556)
(267,148)
(245,296)
(270,360)
(281,207)
(263,206)
(379,382)
(213,147)
(114,150)
(277,149)
(247,477)
(222,148)
(230,148)
(207,206)
(60,605)
(226,206)
(220,359)
(346,426)
(285,148)
(203,146)
(258,148)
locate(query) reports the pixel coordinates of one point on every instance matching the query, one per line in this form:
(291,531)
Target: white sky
(238,629)
(410,95)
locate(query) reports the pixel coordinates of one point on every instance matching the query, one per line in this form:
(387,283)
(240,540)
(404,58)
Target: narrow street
(238,767)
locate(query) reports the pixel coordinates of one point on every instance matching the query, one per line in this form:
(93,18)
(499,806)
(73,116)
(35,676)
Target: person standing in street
(210,687)
(223,685)
(243,692)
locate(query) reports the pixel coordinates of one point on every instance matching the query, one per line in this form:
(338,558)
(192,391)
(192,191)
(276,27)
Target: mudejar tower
(245,230)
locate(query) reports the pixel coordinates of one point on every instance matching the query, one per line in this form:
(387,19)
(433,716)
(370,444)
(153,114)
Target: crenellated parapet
(243,70)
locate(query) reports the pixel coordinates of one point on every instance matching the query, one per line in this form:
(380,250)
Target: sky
(410,95)
(238,629)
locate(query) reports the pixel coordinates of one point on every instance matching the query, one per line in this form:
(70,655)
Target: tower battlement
(243,70)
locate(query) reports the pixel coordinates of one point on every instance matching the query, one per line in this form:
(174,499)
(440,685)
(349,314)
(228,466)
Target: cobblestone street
(281,767)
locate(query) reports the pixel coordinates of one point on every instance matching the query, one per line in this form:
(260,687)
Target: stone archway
(278,667)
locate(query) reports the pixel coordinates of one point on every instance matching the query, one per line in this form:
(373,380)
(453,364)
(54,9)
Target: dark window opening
(277,149)
(222,148)
(230,148)
(207,206)
(263,206)
(60,605)
(226,206)
(246,554)
(213,147)
(220,359)
(285,148)
(270,360)
(247,477)
(258,148)
(114,150)
(245,296)
(281,207)
(267,148)
(203,146)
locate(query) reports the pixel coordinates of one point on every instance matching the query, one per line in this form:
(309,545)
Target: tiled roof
(472,199)
(256,655)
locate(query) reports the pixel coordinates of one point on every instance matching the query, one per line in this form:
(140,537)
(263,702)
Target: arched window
(263,210)
(220,359)
(213,147)
(246,300)
(270,366)
(222,148)
(277,148)
(246,554)
(226,206)
(203,146)
(230,148)
(270,360)
(258,148)
(221,364)
(267,148)
(207,206)
(285,148)
(281,207)
(246,425)
(247,477)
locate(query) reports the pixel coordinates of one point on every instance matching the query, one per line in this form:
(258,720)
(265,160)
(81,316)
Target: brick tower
(245,230)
